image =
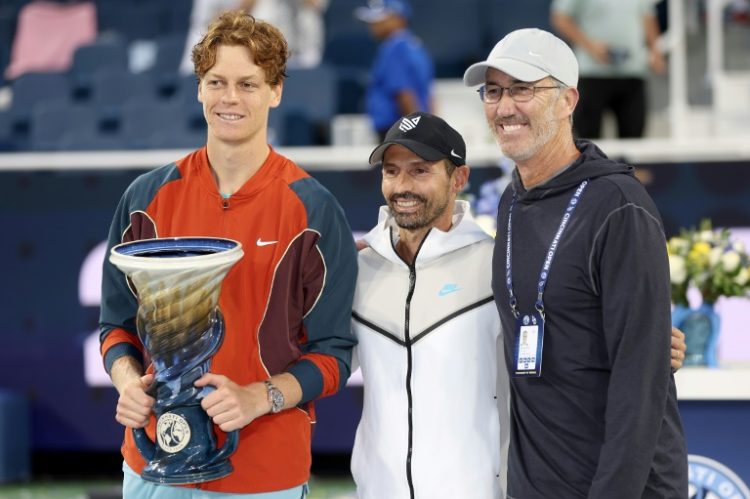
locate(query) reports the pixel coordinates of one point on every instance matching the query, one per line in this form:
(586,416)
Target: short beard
(543,134)
(422,218)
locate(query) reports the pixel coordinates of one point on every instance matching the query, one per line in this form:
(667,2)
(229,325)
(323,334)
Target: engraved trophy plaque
(178,281)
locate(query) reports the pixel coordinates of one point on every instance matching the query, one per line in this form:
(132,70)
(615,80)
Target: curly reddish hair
(265,42)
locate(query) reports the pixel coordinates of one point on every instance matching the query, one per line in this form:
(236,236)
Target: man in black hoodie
(581,282)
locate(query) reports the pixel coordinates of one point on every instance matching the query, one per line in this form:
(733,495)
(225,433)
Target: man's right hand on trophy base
(134,407)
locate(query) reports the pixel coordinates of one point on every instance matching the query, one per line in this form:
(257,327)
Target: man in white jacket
(435,412)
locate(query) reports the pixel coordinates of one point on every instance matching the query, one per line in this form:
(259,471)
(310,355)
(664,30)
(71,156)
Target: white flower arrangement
(709,260)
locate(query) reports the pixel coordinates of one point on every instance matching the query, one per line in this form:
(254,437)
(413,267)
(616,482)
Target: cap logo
(534,54)
(408,124)
(453,153)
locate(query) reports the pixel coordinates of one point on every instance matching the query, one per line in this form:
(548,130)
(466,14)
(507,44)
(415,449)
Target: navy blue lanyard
(544,274)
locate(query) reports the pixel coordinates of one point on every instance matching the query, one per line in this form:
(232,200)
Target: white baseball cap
(528,54)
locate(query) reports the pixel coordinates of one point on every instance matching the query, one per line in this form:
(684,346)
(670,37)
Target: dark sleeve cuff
(120,350)
(309,378)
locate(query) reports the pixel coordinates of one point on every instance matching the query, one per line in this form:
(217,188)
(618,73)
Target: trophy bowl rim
(227,251)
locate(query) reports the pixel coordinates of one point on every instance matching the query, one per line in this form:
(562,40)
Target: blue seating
(309,97)
(8,16)
(169,49)
(350,50)
(142,119)
(86,140)
(311,90)
(50,121)
(194,114)
(112,87)
(134,20)
(500,17)
(339,18)
(173,138)
(175,16)
(165,71)
(276,127)
(6,135)
(312,97)
(110,53)
(187,96)
(433,24)
(187,89)
(30,89)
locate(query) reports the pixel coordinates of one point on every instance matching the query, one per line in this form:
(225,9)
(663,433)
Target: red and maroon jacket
(286,303)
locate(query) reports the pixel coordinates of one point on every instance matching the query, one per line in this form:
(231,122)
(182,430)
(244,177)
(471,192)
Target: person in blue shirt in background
(402,74)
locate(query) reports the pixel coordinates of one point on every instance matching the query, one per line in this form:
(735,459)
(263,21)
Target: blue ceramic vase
(178,282)
(701,328)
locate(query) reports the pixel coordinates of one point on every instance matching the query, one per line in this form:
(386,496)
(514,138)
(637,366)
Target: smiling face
(420,193)
(236,98)
(523,129)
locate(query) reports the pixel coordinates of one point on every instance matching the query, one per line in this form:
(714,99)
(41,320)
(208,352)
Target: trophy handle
(146,447)
(230,445)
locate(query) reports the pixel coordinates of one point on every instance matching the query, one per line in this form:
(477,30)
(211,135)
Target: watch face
(275,397)
(277,400)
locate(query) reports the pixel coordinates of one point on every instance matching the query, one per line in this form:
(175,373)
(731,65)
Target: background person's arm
(568,29)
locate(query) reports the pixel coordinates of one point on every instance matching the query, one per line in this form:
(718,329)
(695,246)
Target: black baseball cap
(427,136)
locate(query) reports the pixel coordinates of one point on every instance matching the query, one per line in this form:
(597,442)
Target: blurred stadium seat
(142,119)
(500,17)
(6,136)
(174,138)
(351,55)
(350,50)
(112,87)
(339,18)
(169,49)
(451,54)
(87,140)
(309,103)
(30,89)
(110,53)
(132,19)
(51,120)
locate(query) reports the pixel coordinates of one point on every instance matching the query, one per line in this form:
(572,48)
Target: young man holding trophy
(276,335)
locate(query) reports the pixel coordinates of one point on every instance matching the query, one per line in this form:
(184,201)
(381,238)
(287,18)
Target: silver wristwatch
(275,397)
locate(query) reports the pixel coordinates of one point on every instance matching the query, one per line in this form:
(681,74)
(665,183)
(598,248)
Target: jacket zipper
(407,337)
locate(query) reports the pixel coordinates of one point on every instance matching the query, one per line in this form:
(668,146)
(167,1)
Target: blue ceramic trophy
(177,282)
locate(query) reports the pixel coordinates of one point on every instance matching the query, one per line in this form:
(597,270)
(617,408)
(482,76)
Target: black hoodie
(602,420)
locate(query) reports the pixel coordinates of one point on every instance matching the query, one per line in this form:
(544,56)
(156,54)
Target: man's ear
(276,91)
(460,178)
(569,98)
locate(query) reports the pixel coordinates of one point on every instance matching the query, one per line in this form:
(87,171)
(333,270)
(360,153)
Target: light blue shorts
(134,487)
